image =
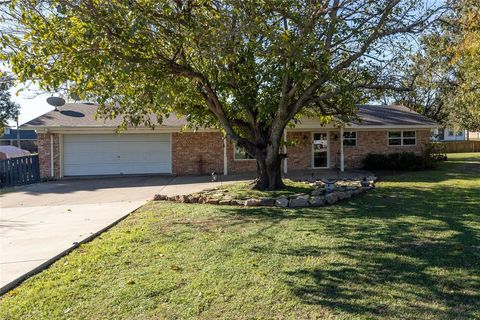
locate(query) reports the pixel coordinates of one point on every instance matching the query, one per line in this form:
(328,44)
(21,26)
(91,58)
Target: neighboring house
(72,143)
(449,134)
(28,139)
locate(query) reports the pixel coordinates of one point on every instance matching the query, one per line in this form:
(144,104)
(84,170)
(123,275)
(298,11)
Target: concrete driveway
(39,223)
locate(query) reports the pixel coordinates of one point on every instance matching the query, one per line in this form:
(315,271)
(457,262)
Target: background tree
(249,67)
(9,110)
(445,71)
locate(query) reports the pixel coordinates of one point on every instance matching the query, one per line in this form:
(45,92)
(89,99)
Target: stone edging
(322,194)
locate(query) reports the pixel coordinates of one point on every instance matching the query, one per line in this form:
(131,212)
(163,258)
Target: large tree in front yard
(249,67)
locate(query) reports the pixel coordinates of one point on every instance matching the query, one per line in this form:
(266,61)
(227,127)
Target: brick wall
(299,154)
(377,142)
(44,155)
(202,152)
(197,153)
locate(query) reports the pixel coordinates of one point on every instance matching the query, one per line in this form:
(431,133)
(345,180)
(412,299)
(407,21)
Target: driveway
(39,223)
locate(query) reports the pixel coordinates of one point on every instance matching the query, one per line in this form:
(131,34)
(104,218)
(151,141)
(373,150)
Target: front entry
(320,150)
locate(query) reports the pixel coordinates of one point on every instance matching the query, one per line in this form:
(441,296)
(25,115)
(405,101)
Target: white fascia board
(94,130)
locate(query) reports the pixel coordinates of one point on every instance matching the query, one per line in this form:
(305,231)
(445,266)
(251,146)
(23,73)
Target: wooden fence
(19,171)
(462,146)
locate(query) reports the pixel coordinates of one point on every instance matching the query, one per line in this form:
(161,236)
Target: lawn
(410,249)
(243,190)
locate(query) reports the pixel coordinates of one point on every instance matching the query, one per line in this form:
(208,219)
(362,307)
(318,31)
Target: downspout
(285,160)
(225,159)
(342,157)
(52,169)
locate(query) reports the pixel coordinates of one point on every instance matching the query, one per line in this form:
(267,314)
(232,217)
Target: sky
(32,104)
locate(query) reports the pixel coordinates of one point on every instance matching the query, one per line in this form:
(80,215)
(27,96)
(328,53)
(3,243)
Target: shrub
(398,161)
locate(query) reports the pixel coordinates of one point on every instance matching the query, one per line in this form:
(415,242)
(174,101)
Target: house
(28,139)
(449,134)
(72,143)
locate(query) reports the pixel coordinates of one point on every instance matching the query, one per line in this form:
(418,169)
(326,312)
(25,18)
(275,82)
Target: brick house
(71,142)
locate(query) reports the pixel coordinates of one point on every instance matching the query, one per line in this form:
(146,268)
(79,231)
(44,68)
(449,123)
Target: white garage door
(109,154)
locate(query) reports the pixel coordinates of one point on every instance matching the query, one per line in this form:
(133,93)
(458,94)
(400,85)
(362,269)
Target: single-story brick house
(71,142)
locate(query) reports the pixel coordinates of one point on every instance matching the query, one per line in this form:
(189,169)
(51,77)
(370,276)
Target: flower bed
(322,193)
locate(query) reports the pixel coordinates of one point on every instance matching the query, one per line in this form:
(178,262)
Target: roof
(24,134)
(7,152)
(82,115)
(390,115)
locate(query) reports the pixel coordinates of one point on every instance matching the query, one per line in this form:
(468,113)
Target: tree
(8,110)
(445,72)
(249,67)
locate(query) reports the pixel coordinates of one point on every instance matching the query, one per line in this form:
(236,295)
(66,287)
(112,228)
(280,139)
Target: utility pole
(18,133)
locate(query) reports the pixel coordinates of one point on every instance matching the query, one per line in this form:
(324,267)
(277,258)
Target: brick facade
(44,155)
(197,153)
(202,152)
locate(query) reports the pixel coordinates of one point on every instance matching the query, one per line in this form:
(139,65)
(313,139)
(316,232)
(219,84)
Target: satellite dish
(56,102)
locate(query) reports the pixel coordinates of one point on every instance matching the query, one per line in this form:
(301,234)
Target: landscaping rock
(344,195)
(298,202)
(281,202)
(224,202)
(318,192)
(172,198)
(267,202)
(331,198)
(218,195)
(194,198)
(159,197)
(317,201)
(252,202)
(237,202)
(211,201)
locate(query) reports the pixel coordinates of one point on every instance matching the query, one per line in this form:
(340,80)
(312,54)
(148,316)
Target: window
(240,153)
(451,133)
(350,138)
(402,138)
(459,133)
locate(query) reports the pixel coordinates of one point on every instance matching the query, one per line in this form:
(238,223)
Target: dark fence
(462,146)
(19,171)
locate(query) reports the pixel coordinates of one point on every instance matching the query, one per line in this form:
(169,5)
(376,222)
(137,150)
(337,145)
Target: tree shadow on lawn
(400,252)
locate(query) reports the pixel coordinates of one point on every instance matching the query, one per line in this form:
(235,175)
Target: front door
(320,149)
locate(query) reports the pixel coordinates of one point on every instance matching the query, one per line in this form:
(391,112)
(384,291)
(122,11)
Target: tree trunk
(269,171)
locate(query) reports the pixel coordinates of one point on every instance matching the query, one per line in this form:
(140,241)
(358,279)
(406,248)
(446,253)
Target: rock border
(324,193)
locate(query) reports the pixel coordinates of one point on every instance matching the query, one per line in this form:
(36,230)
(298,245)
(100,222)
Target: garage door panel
(116,154)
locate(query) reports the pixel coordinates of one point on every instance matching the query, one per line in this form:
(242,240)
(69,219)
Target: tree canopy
(8,109)
(249,67)
(445,72)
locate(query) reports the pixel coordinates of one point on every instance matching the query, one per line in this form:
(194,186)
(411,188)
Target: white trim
(225,158)
(401,139)
(171,153)
(285,160)
(328,150)
(298,127)
(52,164)
(60,154)
(342,156)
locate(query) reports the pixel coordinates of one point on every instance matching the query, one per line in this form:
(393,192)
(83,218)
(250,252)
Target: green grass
(243,190)
(410,249)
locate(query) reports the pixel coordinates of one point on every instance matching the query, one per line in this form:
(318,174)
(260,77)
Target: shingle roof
(24,135)
(394,115)
(81,115)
